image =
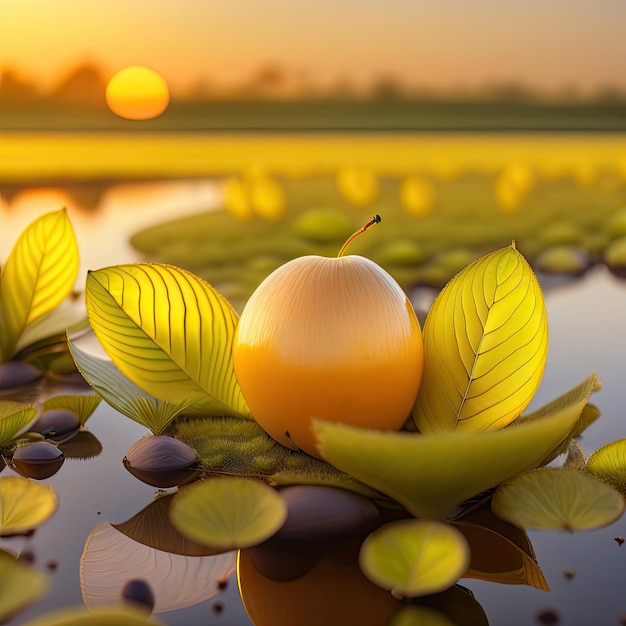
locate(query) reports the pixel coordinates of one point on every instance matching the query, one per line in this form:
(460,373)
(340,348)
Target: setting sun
(137,93)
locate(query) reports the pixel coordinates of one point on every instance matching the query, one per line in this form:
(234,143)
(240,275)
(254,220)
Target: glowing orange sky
(448,43)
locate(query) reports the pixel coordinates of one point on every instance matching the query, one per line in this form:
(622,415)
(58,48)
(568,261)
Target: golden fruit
(335,339)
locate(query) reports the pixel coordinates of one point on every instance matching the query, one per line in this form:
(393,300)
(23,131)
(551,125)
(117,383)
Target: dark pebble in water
(27,556)
(222,584)
(549,617)
(218,607)
(318,514)
(569,574)
(57,424)
(38,460)
(16,374)
(139,592)
(160,453)
(161,461)
(319,519)
(620,540)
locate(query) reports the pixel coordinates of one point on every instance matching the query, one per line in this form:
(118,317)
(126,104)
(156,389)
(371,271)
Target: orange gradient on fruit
(137,93)
(329,338)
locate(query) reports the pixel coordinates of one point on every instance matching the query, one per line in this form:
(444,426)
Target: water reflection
(110,558)
(103,225)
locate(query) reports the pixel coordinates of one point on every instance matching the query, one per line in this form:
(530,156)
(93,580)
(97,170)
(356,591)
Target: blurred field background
(445,198)
(306,122)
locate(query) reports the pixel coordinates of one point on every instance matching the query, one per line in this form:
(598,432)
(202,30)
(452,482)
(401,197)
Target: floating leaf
(82,406)
(169,332)
(431,474)
(120,616)
(485,347)
(122,394)
(414,557)
(20,586)
(37,276)
(15,419)
(557,499)
(152,527)
(24,504)
(228,512)
(608,464)
(500,551)
(109,557)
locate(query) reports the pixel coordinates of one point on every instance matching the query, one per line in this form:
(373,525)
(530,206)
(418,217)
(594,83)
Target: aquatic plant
(36,302)
(171,337)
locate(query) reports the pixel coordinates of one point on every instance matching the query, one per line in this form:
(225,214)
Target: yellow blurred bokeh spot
(358,185)
(417,195)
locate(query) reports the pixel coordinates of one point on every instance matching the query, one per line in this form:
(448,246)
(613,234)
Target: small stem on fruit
(374,220)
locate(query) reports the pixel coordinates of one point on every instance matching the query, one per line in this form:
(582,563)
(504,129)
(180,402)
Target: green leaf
(557,499)
(500,551)
(20,586)
(82,406)
(24,504)
(15,419)
(414,557)
(169,332)
(431,474)
(577,396)
(104,616)
(38,275)
(485,347)
(228,512)
(608,464)
(123,395)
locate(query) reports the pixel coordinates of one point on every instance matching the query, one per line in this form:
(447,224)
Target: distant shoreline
(330,115)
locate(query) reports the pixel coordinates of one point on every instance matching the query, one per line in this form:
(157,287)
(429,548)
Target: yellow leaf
(24,504)
(485,347)
(15,419)
(38,275)
(122,615)
(431,474)
(169,332)
(20,586)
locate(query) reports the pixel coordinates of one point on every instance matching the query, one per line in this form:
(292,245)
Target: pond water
(587,319)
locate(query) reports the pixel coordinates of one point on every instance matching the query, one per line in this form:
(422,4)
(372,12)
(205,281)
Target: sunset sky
(443,44)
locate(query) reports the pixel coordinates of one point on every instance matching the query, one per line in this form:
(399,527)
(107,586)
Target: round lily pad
(228,512)
(24,504)
(608,463)
(415,557)
(20,585)
(557,499)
